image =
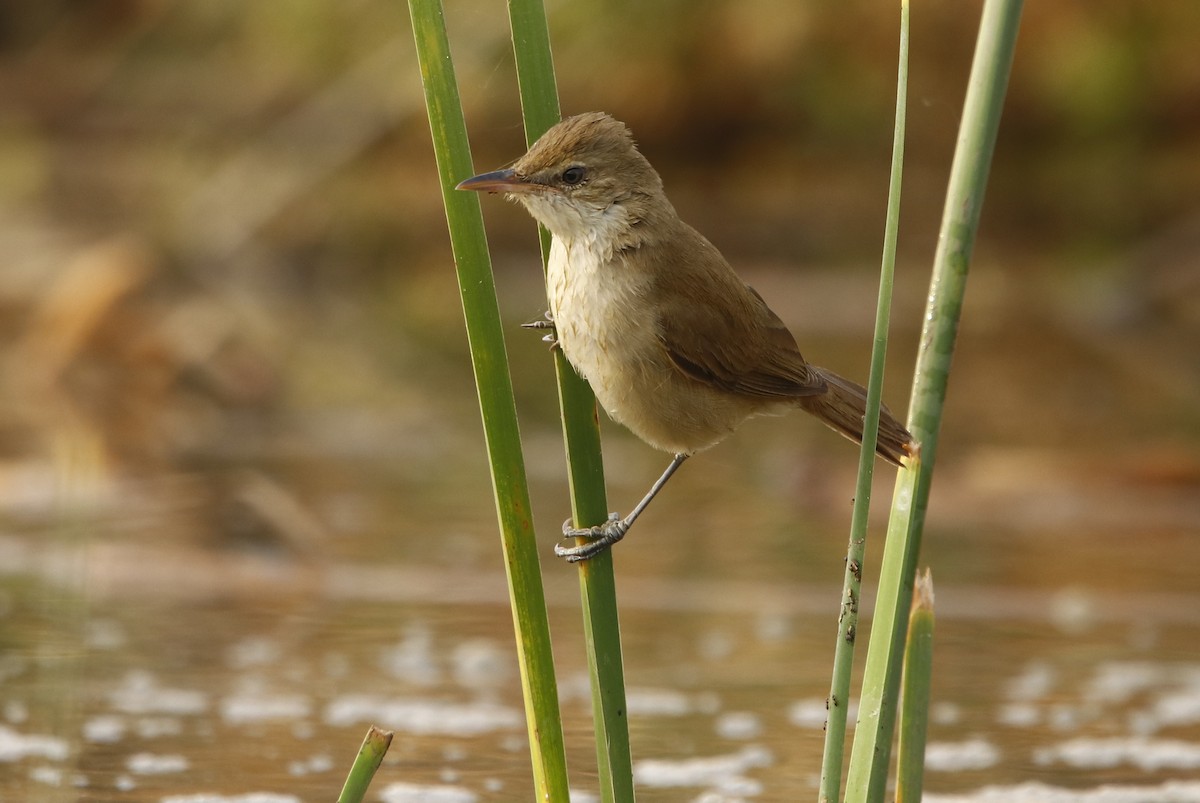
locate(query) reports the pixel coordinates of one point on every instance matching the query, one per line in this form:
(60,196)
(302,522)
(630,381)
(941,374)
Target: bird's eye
(573,175)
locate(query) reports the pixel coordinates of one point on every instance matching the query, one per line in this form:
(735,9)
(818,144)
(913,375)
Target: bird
(676,347)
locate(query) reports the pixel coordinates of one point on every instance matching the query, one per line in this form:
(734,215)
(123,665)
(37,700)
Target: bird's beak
(499,181)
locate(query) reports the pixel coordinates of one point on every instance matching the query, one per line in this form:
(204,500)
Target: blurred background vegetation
(225,262)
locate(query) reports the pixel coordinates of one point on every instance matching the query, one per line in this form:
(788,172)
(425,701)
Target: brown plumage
(676,346)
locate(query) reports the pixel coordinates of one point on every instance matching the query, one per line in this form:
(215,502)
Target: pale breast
(601,322)
(607,331)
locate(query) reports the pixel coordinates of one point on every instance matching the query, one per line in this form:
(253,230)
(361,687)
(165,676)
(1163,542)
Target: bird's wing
(719,331)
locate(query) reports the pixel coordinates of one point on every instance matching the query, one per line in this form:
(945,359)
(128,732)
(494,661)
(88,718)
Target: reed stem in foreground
(867,777)
(843,656)
(497,406)
(914,711)
(370,756)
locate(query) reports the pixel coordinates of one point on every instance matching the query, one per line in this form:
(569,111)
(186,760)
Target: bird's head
(583,178)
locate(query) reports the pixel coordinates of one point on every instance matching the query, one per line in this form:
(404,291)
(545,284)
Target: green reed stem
(581,433)
(914,702)
(369,757)
(490,362)
(867,777)
(843,655)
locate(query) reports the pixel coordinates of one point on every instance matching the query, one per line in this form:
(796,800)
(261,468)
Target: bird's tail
(842,408)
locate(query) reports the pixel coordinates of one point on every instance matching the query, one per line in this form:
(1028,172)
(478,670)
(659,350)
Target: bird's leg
(610,532)
(547,322)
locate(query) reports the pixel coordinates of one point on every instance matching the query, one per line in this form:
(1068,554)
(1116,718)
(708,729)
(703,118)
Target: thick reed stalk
(490,362)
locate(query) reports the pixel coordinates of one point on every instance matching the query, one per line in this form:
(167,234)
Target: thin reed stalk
(867,776)
(581,434)
(843,657)
(914,702)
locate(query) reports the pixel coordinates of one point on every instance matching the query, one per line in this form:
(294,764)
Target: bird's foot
(601,538)
(547,322)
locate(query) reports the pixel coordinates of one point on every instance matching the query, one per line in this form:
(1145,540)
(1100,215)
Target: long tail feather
(843,407)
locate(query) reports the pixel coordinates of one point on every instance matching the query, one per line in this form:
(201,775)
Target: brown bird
(676,346)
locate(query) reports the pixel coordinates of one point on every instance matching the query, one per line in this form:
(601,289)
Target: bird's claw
(547,322)
(600,538)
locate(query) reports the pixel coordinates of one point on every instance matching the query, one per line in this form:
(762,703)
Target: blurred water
(229,623)
(115,689)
